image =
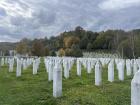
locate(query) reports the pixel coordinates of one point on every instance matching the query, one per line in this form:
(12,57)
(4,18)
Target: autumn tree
(38,48)
(22,48)
(61,52)
(69,41)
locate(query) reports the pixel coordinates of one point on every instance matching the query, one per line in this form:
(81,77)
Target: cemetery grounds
(32,89)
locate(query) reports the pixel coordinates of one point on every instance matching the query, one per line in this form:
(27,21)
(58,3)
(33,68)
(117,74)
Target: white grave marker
(135,89)
(18,71)
(111,71)
(57,81)
(98,74)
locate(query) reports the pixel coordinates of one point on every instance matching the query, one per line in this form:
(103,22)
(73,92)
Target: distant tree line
(72,43)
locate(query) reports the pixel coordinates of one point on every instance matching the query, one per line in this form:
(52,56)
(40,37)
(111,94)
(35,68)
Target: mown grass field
(36,90)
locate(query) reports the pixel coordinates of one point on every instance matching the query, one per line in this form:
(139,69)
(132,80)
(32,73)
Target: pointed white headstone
(2,61)
(18,71)
(50,74)
(34,67)
(111,71)
(11,65)
(78,67)
(98,74)
(135,89)
(128,67)
(57,81)
(89,66)
(121,70)
(66,69)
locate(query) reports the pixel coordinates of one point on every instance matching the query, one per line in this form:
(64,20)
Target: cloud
(118,4)
(40,18)
(2,12)
(15,9)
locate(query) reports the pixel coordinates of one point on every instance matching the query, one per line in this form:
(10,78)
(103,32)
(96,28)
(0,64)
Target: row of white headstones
(99,55)
(21,64)
(54,69)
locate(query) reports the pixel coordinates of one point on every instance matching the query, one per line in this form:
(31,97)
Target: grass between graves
(36,90)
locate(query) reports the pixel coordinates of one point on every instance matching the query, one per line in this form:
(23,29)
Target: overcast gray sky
(40,18)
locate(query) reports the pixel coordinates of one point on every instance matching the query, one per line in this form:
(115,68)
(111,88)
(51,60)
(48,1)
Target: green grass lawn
(36,90)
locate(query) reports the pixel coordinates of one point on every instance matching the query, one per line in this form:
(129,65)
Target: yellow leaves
(61,52)
(69,41)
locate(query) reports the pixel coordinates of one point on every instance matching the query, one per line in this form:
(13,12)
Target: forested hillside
(72,43)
